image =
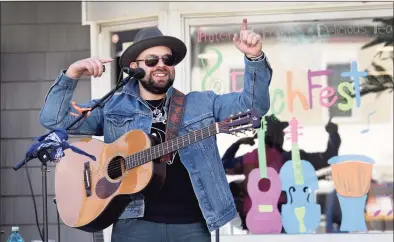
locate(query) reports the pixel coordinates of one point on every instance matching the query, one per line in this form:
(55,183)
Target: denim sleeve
(255,94)
(57,107)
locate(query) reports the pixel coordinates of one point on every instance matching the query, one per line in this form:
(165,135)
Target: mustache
(160,69)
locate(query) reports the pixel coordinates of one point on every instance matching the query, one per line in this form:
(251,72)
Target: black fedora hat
(151,37)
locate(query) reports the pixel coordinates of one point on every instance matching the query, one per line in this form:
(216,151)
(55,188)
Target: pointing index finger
(244,24)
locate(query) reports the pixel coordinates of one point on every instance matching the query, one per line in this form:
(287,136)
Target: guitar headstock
(241,122)
(293,130)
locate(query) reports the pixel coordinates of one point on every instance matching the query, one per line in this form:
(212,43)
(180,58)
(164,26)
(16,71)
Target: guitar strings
(117,168)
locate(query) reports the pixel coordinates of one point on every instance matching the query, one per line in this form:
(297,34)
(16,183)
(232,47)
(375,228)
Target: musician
(195,199)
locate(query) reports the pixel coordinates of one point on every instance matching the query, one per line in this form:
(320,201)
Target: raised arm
(57,111)
(257,78)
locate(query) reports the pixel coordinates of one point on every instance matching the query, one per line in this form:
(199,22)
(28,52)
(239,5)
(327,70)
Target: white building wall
(173,19)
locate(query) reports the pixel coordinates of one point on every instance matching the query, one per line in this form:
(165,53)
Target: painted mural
(280,191)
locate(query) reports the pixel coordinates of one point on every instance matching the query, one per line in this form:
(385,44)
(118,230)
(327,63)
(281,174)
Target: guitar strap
(175,116)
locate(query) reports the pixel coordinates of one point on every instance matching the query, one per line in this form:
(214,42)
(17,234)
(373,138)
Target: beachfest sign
(278,94)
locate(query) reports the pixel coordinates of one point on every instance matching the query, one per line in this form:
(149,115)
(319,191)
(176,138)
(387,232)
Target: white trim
(355,237)
(188,63)
(255,8)
(84,11)
(207,19)
(177,19)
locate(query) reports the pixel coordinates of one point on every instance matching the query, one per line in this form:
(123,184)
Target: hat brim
(177,47)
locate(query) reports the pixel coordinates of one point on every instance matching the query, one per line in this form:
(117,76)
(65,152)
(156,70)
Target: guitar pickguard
(105,188)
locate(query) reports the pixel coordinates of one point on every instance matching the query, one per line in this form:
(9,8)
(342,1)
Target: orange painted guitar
(91,195)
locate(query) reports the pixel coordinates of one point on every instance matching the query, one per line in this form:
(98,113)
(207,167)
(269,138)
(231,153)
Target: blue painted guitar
(300,214)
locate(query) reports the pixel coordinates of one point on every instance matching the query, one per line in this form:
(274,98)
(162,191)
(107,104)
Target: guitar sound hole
(116,167)
(264,184)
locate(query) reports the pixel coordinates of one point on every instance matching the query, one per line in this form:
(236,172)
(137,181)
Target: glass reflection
(337,117)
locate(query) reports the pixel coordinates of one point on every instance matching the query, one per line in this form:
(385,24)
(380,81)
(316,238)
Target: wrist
(71,75)
(253,56)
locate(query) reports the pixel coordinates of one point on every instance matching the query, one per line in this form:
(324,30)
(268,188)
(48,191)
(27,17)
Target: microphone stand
(217,235)
(43,155)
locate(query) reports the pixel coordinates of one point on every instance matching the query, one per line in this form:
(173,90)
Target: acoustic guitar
(91,195)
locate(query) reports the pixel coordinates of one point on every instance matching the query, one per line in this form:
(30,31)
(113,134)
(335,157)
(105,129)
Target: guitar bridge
(87,179)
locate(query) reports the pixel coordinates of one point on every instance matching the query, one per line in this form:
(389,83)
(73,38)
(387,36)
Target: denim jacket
(127,111)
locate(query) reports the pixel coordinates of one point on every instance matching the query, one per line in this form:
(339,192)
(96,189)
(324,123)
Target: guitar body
(91,195)
(93,205)
(263,216)
(300,214)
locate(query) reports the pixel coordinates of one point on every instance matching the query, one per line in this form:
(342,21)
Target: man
(195,199)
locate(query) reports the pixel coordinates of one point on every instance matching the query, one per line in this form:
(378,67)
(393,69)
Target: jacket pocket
(118,125)
(198,127)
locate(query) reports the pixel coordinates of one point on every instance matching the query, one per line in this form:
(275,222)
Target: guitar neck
(262,156)
(169,146)
(297,166)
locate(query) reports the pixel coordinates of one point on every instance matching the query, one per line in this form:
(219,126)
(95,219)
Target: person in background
(246,163)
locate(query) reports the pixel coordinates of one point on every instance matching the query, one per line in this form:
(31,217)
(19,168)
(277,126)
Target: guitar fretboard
(177,143)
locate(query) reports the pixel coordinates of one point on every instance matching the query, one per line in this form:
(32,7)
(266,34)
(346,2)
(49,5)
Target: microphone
(137,73)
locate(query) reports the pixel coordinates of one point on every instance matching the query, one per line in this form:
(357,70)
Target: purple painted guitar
(264,189)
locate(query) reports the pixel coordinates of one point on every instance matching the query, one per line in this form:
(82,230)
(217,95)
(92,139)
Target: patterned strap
(175,115)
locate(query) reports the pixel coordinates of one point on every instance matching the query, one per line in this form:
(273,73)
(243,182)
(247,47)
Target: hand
(246,141)
(79,110)
(88,67)
(331,127)
(248,41)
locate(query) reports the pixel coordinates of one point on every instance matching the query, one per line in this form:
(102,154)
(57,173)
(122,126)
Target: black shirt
(176,201)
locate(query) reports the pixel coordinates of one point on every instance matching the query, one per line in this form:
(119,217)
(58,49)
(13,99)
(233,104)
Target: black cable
(217,235)
(58,225)
(34,201)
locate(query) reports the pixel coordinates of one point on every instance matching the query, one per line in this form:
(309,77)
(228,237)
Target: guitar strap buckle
(175,116)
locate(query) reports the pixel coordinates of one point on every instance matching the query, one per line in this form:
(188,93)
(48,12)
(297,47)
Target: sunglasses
(152,60)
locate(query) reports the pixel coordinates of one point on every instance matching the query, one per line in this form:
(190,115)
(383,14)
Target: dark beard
(150,86)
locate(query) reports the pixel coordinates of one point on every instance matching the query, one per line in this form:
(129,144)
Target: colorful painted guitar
(263,216)
(300,214)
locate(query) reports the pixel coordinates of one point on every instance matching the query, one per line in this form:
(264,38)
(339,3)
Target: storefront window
(354,123)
